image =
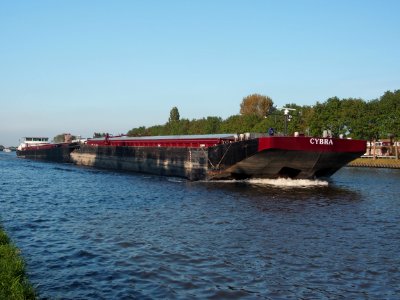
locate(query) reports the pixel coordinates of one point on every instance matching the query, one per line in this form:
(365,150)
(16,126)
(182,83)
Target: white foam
(175,179)
(288,182)
(280,182)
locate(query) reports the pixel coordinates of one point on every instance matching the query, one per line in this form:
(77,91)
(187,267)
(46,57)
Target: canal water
(93,234)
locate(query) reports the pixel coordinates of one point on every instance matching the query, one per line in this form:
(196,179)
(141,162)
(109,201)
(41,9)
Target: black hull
(287,164)
(190,163)
(60,153)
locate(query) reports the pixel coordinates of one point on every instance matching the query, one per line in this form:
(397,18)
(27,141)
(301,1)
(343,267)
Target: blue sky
(109,66)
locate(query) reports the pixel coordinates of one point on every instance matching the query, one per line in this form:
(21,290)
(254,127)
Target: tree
(212,125)
(327,116)
(174,115)
(63,137)
(172,127)
(241,123)
(389,116)
(140,131)
(351,117)
(298,122)
(59,138)
(256,104)
(99,134)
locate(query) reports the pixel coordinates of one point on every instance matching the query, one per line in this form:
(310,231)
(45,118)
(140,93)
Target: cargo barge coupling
(208,157)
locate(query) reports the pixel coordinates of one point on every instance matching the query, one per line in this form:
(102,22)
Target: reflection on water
(91,234)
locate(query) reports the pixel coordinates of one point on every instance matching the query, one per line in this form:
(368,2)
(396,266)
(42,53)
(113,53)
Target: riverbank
(13,281)
(390,163)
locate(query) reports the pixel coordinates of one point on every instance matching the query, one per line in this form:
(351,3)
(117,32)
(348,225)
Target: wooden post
(396,150)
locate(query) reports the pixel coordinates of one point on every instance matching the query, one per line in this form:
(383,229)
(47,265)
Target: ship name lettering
(315,141)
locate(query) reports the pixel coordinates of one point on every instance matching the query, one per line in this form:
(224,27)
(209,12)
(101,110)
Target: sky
(109,66)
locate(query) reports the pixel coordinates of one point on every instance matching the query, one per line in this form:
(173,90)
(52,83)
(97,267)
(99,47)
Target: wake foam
(288,182)
(281,182)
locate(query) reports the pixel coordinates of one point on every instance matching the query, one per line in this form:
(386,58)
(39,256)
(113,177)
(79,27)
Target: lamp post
(287,116)
(286,113)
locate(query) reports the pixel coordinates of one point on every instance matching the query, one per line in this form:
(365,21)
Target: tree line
(349,117)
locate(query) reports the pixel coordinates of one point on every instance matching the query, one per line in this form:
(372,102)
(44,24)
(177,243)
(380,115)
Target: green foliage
(140,131)
(60,138)
(174,115)
(99,134)
(390,113)
(342,117)
(355,118)
(13,282)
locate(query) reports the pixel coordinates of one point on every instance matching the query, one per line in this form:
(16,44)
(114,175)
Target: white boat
(33,141)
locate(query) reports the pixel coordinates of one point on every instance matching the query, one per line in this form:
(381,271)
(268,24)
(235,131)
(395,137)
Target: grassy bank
(13,282)
(376,163)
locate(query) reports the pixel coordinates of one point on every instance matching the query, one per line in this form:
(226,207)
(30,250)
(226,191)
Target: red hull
(311,144)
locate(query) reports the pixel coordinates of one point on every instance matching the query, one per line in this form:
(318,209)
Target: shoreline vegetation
(13,280)
(355,118)
(389,163)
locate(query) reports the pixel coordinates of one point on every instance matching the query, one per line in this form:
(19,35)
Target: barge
(205,157)
(223,156)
